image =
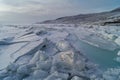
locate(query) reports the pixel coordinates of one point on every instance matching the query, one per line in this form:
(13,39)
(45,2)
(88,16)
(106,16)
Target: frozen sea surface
(7,34)
(58,52)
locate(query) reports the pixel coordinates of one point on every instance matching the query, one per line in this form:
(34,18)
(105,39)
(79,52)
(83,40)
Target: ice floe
(52,53)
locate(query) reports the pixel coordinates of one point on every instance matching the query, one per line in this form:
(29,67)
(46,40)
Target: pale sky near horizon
(31,11)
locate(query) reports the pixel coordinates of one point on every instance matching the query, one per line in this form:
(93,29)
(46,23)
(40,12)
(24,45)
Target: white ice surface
(53,50)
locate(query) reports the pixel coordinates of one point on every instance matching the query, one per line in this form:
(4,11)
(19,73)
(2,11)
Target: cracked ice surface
(51,52)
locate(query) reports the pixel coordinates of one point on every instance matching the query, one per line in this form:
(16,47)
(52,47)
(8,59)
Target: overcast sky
(30,11)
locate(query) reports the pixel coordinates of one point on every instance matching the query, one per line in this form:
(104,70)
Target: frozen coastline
(51,52)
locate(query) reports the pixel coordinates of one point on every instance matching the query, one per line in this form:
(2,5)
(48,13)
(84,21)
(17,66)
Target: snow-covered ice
(51,52)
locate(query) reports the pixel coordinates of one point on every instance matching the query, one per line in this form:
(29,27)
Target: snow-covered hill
(93,18)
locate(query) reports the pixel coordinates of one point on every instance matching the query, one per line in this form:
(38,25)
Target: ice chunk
(5,43)
(44,65)
(76,78)
(35,58)
(31,48)
(29,78)
(12,67)
(5,57)
(118,41)
(79,65)
(3,73)
(40,74)
(41,32)
(57,76)
(117,59)
(8,78)
(24,59)
(49,49)
(57,36)
(67,57)
(112,36)
(63,45)
(64,60)
(30,37)
(8,39)
(112,74)
(118,53)
(23,70)
(43,56)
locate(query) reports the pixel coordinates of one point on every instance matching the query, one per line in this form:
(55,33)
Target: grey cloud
(14,2)
(39,10)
